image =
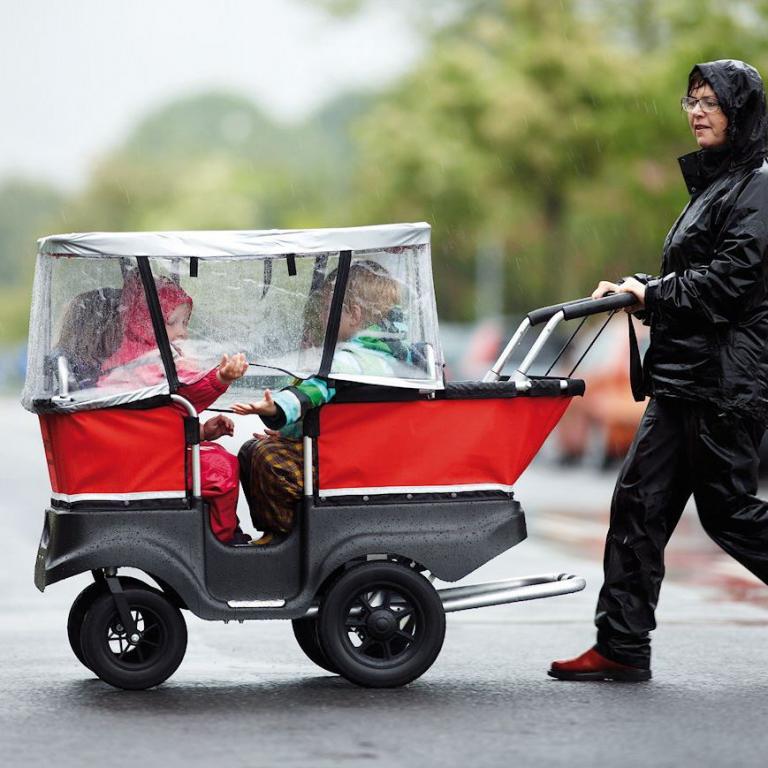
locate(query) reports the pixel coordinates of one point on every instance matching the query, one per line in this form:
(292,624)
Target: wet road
(246,696)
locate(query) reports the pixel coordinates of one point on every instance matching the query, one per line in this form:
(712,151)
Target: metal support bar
(510,591)
(538,345)
(494,374)
(196,480)
(308,484)
(502,592)
(123,610)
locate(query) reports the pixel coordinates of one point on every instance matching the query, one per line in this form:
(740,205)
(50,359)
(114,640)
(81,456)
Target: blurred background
(538,139)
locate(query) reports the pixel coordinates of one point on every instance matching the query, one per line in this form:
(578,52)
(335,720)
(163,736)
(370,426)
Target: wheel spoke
(354,621)
(387,649)
(150,627)
(365,645)
(405,635)
(139,652)
(151,643)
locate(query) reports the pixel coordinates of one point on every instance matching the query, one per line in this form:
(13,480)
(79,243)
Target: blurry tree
(25,209)
(215,161)
(550,130)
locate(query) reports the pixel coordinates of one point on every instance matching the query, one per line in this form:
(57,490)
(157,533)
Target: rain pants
(707,372)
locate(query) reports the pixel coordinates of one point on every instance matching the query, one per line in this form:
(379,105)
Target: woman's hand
(630,285)
(231,368)
(216,427)
(265,407)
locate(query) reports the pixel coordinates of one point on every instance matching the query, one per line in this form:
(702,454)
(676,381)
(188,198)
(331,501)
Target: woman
(706,371)
(136,363)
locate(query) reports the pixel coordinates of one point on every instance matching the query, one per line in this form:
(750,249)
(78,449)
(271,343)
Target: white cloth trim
(71,498)
(234,244)
(414,489)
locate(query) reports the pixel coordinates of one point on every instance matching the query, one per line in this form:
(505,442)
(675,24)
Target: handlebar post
(533,352)
(494,374)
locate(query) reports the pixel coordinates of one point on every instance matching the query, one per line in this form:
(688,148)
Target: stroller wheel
(134,662)
(76,617)
(381,625)
(82,604)
(306,634)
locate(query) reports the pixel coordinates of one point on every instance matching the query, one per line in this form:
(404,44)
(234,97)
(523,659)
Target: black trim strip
(193,266)
(334,318)
(158,324)
(290,260)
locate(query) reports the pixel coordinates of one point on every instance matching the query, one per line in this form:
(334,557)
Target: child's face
(351,320)
(177,322)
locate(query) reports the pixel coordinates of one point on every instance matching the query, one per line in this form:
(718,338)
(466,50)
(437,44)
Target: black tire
(81,605)
(143,664)
(381,625)
(306,633)
(77,615)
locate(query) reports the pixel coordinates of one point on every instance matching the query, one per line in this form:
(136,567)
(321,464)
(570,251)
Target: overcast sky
(76,75)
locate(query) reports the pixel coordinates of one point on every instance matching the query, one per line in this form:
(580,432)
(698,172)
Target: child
(371,334)
(136,363)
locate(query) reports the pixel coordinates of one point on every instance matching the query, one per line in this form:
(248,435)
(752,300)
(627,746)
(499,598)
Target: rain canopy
(120,318)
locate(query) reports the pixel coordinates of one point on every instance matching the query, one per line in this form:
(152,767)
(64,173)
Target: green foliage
(546,131)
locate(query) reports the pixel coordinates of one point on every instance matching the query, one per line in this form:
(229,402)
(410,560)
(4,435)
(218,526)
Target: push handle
(582,307)
(609,303)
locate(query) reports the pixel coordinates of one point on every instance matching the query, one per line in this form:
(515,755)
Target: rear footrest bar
(510,591)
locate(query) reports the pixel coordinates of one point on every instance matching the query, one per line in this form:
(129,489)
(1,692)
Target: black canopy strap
(635,364)
(334,317)
(267,277)
(193,266)
(290,260)
(158,324)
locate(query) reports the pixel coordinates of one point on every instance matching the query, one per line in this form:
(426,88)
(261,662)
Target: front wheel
(139,661)
(81,606)
(381,625)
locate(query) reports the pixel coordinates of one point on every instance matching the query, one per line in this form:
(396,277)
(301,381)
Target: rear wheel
(381,625)
(306,633)
(138,661)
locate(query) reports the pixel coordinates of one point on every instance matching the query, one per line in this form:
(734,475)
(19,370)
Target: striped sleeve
(294,402)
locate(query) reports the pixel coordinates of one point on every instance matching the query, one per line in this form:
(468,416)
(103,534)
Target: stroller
(398,498)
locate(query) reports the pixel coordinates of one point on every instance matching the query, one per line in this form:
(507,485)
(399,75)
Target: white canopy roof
(225,244)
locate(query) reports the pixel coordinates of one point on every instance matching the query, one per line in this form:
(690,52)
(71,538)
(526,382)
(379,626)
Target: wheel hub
(381,624)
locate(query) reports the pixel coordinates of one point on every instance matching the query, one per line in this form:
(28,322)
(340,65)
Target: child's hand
(232,368)
(216,427)
(267,433)
(265,407)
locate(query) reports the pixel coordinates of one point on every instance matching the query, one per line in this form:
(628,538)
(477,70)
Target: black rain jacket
(709,309)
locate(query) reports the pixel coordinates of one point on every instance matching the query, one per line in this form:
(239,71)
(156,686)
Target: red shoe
(592,666)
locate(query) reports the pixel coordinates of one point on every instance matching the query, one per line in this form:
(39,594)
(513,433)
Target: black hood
(740,91)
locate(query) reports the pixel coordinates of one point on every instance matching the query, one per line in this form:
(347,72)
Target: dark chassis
(355,578)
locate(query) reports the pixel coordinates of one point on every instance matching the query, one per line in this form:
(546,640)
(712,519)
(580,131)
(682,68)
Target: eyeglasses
(707,104)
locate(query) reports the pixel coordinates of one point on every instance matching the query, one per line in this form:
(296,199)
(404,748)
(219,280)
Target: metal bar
(534,351)
(308,485)
(196,480)
(501,592)
(511,591)
(494,374)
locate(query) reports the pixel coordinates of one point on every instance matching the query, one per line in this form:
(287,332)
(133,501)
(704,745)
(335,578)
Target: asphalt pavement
(246,696)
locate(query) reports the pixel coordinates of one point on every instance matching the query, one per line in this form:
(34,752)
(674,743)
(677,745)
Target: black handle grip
(609,303)
(537,316)
(582,307)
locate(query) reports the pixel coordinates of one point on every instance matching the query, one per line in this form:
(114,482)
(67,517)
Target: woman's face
(177,322)
(710,129)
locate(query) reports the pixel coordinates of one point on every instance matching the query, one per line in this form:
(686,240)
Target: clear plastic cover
(92,312)
(89,316)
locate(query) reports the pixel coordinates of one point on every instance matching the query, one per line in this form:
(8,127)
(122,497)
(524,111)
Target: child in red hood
(136,363)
